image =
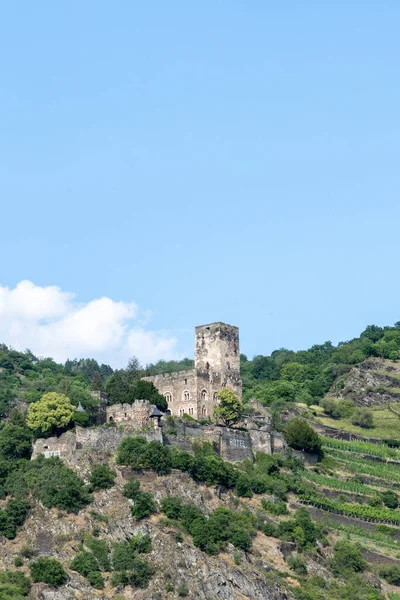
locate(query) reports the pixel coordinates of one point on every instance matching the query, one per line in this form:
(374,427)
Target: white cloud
(53,323)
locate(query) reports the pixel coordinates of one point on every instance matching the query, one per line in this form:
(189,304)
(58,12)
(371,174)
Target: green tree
(101,478)
(15,442)
(363,418)
(230,408)
(300,436)
(53,411)
(48,570)
(294,371)
(347,557)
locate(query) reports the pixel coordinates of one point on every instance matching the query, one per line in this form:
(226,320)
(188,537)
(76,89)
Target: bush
(55,485)
(13,585)
(391,573)
(101,478)
(18,561)
(172,507)
(300,436)
(48,570)
(139,576)
(95,579)
(139,454)
(390,499)
(243,486)
(84,563)
(347,557)
(363,418)
(144,506)
(131,488)
(301,530)
(297,564)
(279,508)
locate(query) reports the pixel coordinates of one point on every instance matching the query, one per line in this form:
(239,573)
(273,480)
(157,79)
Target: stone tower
(217,350)
(217,365)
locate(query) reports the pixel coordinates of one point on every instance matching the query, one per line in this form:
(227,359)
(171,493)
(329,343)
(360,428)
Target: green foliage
(53,411)
(51,482)
(212,533)
(300,436)
(229,409)
(143,503)
(95,578)
(84,563)
(125,386)
(101,477)
(14,585)
(363,418)
(139,454)
(347,557)
(279,508)
(15,442)
(48,570)
(18,561)
(337,409)
(138,576)
(301,530)
(297,564)
(391,573)
(390,499)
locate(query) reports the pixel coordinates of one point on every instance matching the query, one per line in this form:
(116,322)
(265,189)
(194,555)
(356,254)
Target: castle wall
(137,414)
(180,389)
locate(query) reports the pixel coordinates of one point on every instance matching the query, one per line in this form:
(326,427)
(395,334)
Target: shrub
(48,570)
(172,507)
(13,585)
(363,418)
(131,488)
(302,530)
(99,549)
(101,478)
(139,454)
(18,561)
(391,573)
(27,552)
(84,563)
(144,506)
(269,530)
(297,564)
(389,499)
(17,510)
(243,486)
(279,508)
(139,576)
(300,436)
(347,557)
(95,579)
(55,485)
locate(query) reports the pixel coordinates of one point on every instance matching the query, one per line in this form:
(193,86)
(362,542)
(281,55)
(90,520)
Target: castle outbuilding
(216,365)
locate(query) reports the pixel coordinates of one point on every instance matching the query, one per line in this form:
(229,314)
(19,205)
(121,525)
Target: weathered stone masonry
(217,365)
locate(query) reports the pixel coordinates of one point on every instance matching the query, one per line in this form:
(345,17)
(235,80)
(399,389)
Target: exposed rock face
(374,382)
(178,563)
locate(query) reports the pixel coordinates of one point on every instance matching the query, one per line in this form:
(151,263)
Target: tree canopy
(53,411)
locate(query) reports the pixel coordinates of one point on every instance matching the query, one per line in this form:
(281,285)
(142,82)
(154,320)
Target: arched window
(186,396)
(215,397)
(191,411)
(111,419)
(203,411)
(203,395)
(168,397)
(181,412)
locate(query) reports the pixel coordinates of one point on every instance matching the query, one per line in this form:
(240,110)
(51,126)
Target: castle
(216,365)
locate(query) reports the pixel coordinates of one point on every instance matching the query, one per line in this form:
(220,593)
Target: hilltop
(122,517)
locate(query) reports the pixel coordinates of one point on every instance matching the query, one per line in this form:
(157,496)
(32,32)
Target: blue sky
(233,161)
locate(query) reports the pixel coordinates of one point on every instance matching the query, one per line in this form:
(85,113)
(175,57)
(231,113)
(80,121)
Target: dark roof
(156,412)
